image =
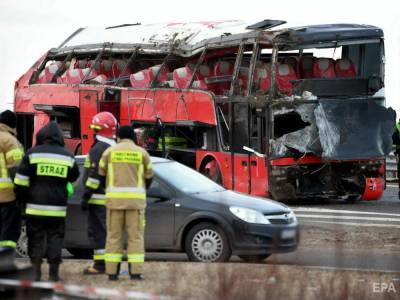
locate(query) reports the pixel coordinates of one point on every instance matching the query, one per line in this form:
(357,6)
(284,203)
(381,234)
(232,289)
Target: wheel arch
(208,158)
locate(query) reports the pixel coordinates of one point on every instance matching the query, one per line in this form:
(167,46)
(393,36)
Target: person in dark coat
(43,176)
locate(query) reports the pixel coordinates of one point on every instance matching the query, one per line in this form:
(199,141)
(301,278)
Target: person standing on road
(104,125)
(127,171)
(11,153)
(396,142)
(43,176)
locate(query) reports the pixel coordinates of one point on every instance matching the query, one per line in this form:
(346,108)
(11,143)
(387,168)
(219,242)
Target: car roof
(154,159)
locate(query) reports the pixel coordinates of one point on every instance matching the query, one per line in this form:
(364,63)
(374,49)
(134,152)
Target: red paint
(373,188)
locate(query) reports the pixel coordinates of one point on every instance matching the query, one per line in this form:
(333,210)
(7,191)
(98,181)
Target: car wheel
(254,258)
(207,242)
(22,244)
(81,253)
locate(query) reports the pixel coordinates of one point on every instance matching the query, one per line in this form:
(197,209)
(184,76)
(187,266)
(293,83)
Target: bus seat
(75,76)
(107,67)
(222,68)
(143,79)
(345,68)
(284,74)
(306,67)
(182,77)
(118,67)
(323,68)
(261,79)
(80,64)
(47,73)
(294,62)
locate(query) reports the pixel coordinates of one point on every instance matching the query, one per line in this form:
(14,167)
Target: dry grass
(185,280)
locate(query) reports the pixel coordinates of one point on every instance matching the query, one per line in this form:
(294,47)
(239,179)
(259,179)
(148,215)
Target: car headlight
(292,217)
(249,215)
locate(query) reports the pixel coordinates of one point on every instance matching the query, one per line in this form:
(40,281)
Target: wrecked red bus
(278,112)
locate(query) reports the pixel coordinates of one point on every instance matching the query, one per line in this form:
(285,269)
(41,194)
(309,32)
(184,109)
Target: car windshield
(185,179)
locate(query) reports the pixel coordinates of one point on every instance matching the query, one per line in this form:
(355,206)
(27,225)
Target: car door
(160,216)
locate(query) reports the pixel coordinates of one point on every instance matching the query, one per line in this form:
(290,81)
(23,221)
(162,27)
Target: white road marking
(338,211)
(356,224)
(348,218)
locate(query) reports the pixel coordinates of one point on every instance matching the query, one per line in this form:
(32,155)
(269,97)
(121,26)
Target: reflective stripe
(126,193)
(130,157)
(6,183)
(92,183)
(140,175)
(136,258)
(113,257)
(21,180)
(149,166)
(99,254)
(102,164)
(16,154)
(10,244)
(3,167)
(97,201)
(50,158)
(46,210)
(86,164)
(110,174)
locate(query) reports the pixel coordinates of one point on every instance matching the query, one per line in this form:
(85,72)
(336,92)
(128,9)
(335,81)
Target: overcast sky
(28,28)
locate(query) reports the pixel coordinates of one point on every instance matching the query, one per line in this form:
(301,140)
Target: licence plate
(288,234)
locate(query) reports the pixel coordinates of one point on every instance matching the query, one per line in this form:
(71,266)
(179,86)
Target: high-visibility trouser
(133,221)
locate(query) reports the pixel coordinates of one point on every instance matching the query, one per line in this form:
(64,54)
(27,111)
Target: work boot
(53,273)
(37,269)
(98,268)
(137,277)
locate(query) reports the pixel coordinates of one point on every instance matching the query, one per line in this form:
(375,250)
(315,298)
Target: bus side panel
(259,176)
(89,107)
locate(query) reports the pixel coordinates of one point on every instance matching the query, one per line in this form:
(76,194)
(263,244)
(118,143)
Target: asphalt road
(369,215)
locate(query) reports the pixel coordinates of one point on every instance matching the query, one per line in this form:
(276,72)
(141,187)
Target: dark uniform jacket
(45,171)
(94,191)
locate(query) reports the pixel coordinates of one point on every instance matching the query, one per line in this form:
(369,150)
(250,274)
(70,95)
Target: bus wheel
(212,171)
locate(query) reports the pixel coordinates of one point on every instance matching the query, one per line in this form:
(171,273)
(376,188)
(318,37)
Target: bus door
(88,103)
(258,166)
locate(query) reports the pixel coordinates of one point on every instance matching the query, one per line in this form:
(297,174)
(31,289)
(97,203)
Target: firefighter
(396,142)
(127,172)
(44,175)
(104,125)
(11,153)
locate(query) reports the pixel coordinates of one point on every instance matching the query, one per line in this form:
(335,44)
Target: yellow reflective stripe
(46,210)
(102,164)
(51,169)
(98,256)
(51,161)
(92,183)
(21,180)
(16,154)
(113,257)
(95,127)
(131,157)
(3,167)
(50,158)
(87,163)
(110,174)
(136,258)
(11,244)
(97,201)
(6,183)
(126,195)
(140,175)
(45,213)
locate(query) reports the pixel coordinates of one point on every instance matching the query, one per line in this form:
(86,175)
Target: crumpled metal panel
(354,129)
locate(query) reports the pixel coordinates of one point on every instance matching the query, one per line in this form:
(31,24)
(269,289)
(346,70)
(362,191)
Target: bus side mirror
(248,149)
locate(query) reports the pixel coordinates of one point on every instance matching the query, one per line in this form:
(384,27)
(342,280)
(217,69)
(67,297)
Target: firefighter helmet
(105,124)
